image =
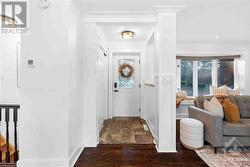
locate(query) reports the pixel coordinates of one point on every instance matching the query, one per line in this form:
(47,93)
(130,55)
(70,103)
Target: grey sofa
(218,131)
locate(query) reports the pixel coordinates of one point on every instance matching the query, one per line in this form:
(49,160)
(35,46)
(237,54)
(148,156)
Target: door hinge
(139,85)
(140,109)
(139,61)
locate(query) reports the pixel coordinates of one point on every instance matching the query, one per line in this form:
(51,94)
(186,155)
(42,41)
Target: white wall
(149,65)
(9,91)
(51,102)
(150,111)
(75,114)
(90,46)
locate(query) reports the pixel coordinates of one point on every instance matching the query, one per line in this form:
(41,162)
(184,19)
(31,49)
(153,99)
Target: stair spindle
(15,133)
(8,154)
(7,119)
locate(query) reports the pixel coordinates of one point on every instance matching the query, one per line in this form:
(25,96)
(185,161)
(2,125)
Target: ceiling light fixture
(127,35)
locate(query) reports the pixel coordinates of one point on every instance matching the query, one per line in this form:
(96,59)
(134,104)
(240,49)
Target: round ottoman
(191,133)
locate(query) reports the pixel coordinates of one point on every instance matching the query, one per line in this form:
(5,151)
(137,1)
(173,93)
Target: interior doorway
(129,120)
(125,125)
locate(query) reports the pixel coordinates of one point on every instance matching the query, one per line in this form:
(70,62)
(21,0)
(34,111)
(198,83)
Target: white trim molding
(121,19)
(43,163)
(75,155)
(169,8)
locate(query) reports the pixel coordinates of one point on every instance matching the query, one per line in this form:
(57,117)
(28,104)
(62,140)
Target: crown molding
(128,16)
(114,18)
(169,8)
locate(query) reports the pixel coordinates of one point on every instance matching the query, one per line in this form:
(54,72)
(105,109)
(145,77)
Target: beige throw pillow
(233,92)
(214,107)
(222,90)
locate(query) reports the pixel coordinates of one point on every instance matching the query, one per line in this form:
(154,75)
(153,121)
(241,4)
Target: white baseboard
(156,141)
(75,155)
(166,149)
(152,130)
(43,163)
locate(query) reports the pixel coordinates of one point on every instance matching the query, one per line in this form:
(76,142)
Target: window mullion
(195,78)
(178,72)
(215,72)
(236,73)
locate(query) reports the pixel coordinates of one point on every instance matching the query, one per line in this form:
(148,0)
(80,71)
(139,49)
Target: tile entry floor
(125,130)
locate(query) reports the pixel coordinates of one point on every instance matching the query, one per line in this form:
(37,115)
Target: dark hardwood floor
(138,156)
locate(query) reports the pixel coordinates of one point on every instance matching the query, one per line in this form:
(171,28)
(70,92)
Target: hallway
(138,156)
(125,130)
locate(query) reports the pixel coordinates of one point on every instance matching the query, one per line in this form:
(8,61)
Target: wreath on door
(126,70)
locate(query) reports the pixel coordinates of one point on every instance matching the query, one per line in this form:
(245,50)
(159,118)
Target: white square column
(165,80)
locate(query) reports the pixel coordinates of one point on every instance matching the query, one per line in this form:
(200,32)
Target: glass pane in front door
(126,70)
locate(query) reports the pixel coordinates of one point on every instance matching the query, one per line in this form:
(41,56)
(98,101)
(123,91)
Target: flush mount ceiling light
(127,34)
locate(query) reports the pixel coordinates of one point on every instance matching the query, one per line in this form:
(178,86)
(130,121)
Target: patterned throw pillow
(218,91)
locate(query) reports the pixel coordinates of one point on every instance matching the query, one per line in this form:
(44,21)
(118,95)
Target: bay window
(196,75)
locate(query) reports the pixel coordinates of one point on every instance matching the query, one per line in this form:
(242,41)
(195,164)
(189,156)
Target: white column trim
(166,81)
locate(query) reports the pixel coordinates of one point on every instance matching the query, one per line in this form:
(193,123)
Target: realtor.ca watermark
(14,18)
(235,150)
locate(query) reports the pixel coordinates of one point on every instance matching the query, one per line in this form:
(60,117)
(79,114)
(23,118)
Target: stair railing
(5,115)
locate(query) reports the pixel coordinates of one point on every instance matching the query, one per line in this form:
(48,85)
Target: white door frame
(141,53)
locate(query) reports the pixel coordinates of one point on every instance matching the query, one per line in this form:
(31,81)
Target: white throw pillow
(181,94)
(218,91)
(214,107)
(233,92)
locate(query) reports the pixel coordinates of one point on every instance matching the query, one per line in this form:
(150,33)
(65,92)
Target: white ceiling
(112,31)
(202,21)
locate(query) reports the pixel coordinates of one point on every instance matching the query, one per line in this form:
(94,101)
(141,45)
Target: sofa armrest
(212,125)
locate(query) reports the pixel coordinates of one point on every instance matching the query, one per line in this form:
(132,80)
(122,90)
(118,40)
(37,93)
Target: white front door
(126,85)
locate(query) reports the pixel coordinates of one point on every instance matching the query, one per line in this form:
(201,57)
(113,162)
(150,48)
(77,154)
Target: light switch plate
(31,63)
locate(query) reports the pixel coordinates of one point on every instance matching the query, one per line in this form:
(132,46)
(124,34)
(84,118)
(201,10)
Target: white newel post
(166,79)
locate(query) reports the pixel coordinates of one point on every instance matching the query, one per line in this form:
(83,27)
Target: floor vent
(145,127)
